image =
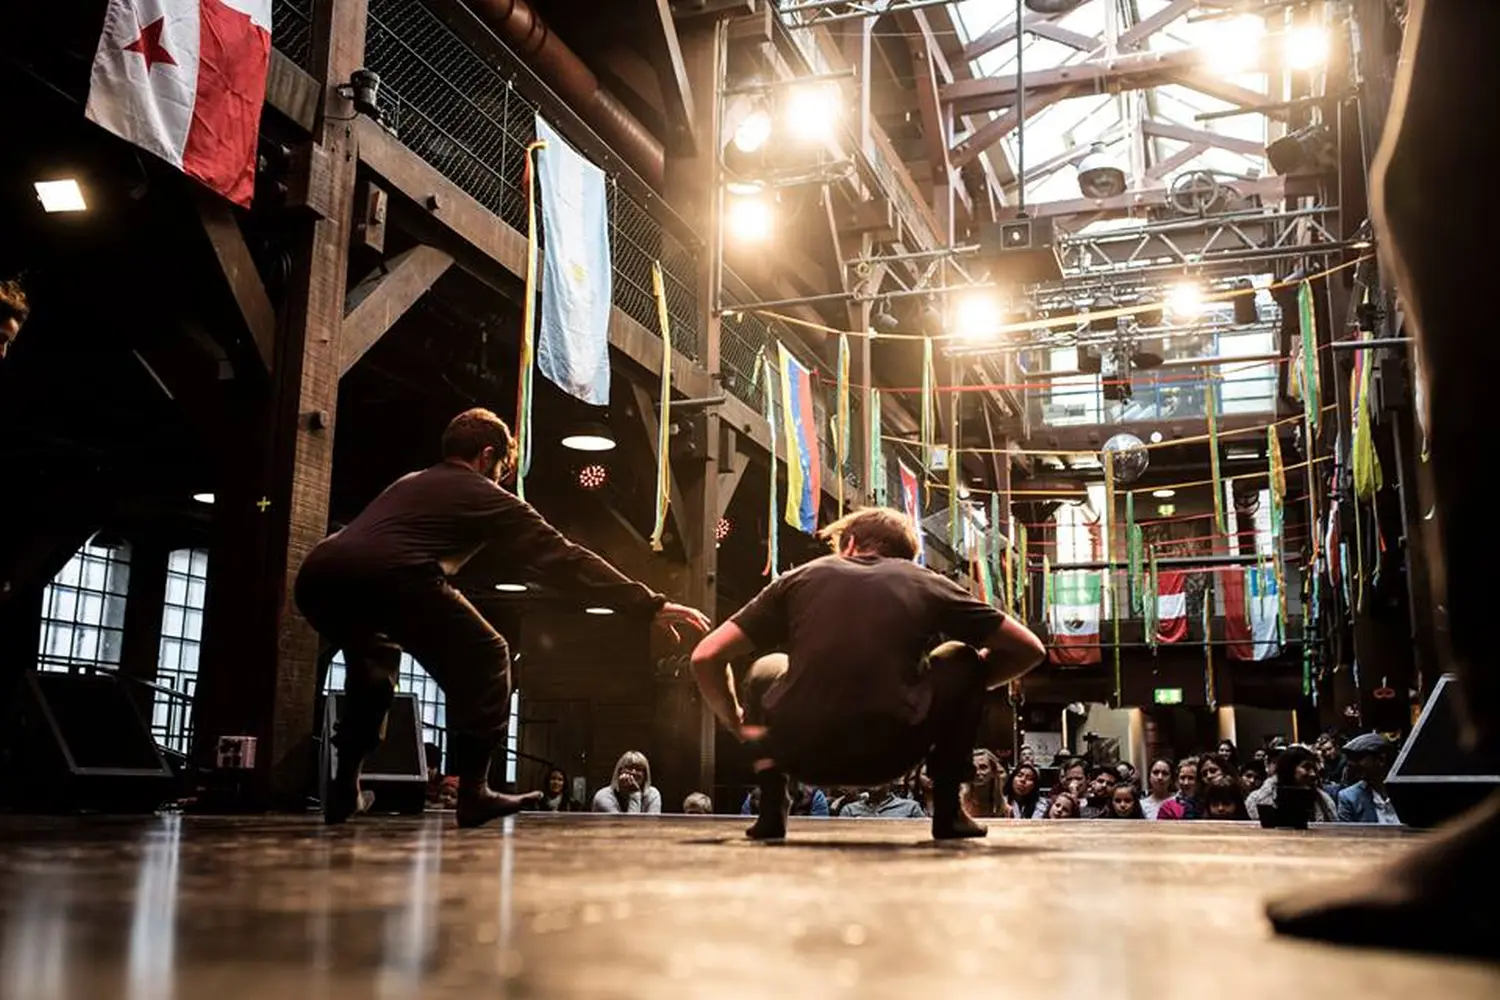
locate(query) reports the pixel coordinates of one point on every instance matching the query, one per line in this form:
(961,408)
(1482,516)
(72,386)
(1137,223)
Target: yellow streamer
(664,420)
(528,327)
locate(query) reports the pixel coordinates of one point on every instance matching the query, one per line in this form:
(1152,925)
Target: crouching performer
(871,664)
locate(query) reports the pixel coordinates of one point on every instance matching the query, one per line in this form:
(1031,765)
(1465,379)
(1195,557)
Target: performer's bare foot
(345,797)
(1421,901)
(960,827)
(478,804)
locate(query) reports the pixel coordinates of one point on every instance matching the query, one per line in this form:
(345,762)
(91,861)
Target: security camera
(1097,176)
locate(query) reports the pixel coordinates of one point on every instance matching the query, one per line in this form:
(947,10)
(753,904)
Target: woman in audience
(1158,787)
(1064,806)
(1024,793)
(985,795)
(1296,766)
(1224,799)
(1212,766)
(1183,805)
(631,790)
(1124,803)
(1228,753)
(1252,776)
(555,795)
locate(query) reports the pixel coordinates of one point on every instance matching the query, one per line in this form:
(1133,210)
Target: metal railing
(1155,397)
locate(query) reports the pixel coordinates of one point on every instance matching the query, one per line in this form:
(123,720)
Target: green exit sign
(1167,696)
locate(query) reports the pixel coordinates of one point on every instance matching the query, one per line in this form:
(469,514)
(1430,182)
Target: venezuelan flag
(803,464)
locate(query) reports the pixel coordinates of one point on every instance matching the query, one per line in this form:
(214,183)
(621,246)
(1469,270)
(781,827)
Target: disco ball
(1130,457)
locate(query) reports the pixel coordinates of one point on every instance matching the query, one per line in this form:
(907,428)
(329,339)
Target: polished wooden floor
(646,907)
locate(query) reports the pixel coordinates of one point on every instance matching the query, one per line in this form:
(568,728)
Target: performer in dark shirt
(380,586)
(864,689)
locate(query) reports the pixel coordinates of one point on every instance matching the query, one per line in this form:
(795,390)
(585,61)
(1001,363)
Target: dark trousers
(373,618)
(839,750)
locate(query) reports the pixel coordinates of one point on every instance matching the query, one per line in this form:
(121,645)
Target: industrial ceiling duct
(521,29)
(1054,6)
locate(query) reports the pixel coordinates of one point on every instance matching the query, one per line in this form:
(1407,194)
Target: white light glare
(976,317)
(588,442)
(1231,46)
(1156,437)
(60,196)
(1164,494)
(1306,48)
(511,588)
(203,497)
(753,132)
(811,111)
(749,219)
(598,611)
(1186,300)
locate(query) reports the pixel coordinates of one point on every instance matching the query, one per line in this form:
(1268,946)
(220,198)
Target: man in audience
(1101,790)
(881,802)
(1369,759)
(863,691)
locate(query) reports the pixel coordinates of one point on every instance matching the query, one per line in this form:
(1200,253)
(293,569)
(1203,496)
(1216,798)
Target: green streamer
(880,487)
(773,516)
(1213,456)
(928,415)
(1152,610)
(1209,695)
(1311,394)
(1024,577)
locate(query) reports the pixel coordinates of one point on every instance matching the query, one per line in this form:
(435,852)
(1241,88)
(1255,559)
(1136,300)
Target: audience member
(1102,784)
(556,796)
(1295,766)
(1365,801)
(1064,806)
(1252,776)
(1223,798)
(1124,803)
(1333,763)
(1211,766)
(1158,787)
(631,790)
(13,312)
(1024,793)
(1026,756)
(1184,804)
(698,804)
(985,795)
(882,802)
(1228,753)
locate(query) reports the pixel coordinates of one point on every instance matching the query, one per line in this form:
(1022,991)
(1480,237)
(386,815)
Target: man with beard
(381,585)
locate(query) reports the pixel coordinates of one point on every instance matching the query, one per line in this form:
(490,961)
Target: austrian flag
(185,79)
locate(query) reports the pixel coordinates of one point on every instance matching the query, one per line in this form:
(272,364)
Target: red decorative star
(150,47)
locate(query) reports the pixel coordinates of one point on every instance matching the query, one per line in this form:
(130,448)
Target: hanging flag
(1171,605)
(1250,612)
(773,517)
(1073,618)
(911,502)
(804,467)
(841,420)
(573,340)
(877,453)
(185,80)
(1368,478)
(664,419)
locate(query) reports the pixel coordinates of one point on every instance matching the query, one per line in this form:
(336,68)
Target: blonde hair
(878,531)
(631,758)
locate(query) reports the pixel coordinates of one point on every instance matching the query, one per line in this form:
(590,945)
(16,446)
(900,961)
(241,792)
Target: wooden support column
(259,658)
(140,645)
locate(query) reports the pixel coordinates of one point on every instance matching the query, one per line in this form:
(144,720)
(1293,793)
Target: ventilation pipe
(523,30)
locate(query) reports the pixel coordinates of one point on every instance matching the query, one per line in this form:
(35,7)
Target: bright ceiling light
(1231,46)
(203,497)
(748,219)
(812,110)
(1156,437)
(976,317)
(1164,494)
(60,196)
(1306,48)
(1185,301)
(598,611)
(753,132)
(511,588)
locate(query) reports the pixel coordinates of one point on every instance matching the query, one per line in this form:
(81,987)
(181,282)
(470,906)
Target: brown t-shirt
(855,632)
(440,517)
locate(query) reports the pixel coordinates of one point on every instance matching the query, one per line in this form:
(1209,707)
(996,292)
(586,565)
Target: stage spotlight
(885,321)
(591,435)
(1307,150)
(1305,48)
(1185,301)
(204,497)
(511,588)
(60,196)
(1245,312)
(1156,437)
(812,110)
(1098,177)
(753,132)
(591,477)
(749,218)
(722,529)
(976,317)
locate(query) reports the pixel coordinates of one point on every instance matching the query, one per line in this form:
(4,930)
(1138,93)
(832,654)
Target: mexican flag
(1073,618)
(1171,605)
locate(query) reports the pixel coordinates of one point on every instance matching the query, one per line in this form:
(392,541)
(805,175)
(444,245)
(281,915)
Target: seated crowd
(1336,782)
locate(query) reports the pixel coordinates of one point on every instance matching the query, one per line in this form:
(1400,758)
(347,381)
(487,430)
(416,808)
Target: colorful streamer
(841,421)
(1209,694)
(880,487)
(1307,319)
(1213,454)
(1024,579)
(664,420)
(1153,608)
(773,516)
(528,327)
(929,406)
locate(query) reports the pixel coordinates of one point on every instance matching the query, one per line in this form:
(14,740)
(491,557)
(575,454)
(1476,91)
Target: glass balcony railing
(1155,397)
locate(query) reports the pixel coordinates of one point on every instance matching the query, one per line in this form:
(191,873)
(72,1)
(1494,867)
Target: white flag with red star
(185,79)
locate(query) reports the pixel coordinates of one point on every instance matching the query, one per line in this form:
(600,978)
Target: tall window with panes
(83,610)
(181,640)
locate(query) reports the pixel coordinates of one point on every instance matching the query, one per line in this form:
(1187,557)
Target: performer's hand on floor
(672,615)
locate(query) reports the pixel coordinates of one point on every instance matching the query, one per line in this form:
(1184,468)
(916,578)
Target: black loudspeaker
(1020,251)
(1435,777)
(397,771)
(77,742)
